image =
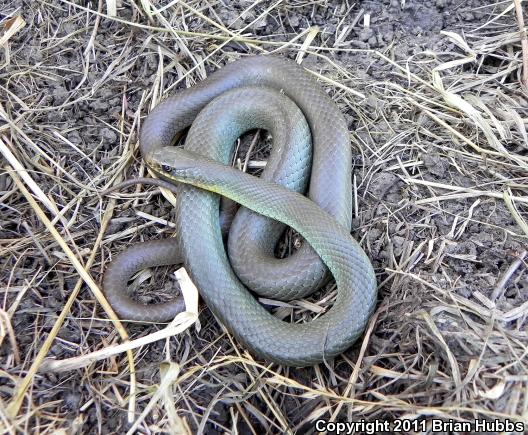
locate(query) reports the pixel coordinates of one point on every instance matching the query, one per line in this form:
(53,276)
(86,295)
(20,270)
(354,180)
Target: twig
(180,323)
(15,163)
(524,42)
(501,285)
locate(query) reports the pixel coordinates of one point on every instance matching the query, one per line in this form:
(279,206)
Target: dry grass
(442,209)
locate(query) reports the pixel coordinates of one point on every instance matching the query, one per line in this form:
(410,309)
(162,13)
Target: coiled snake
(277,95)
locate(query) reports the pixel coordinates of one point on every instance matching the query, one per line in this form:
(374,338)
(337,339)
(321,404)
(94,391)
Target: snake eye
(166,168)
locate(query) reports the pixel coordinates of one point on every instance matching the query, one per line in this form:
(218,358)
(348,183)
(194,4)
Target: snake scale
(311,150)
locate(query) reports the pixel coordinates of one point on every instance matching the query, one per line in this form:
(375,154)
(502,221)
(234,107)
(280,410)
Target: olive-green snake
(279,96)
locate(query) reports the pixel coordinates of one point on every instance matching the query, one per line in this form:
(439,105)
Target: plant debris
(432,92)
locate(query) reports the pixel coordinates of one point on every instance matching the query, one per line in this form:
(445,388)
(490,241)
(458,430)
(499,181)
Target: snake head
(174,163)
(183,166)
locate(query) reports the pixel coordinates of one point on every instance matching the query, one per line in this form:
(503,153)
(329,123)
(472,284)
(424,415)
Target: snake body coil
(279,96)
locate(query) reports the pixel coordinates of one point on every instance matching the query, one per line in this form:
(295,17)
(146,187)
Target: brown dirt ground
(441,181)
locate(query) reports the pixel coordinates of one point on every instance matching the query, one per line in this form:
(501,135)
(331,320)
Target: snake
(311,155)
